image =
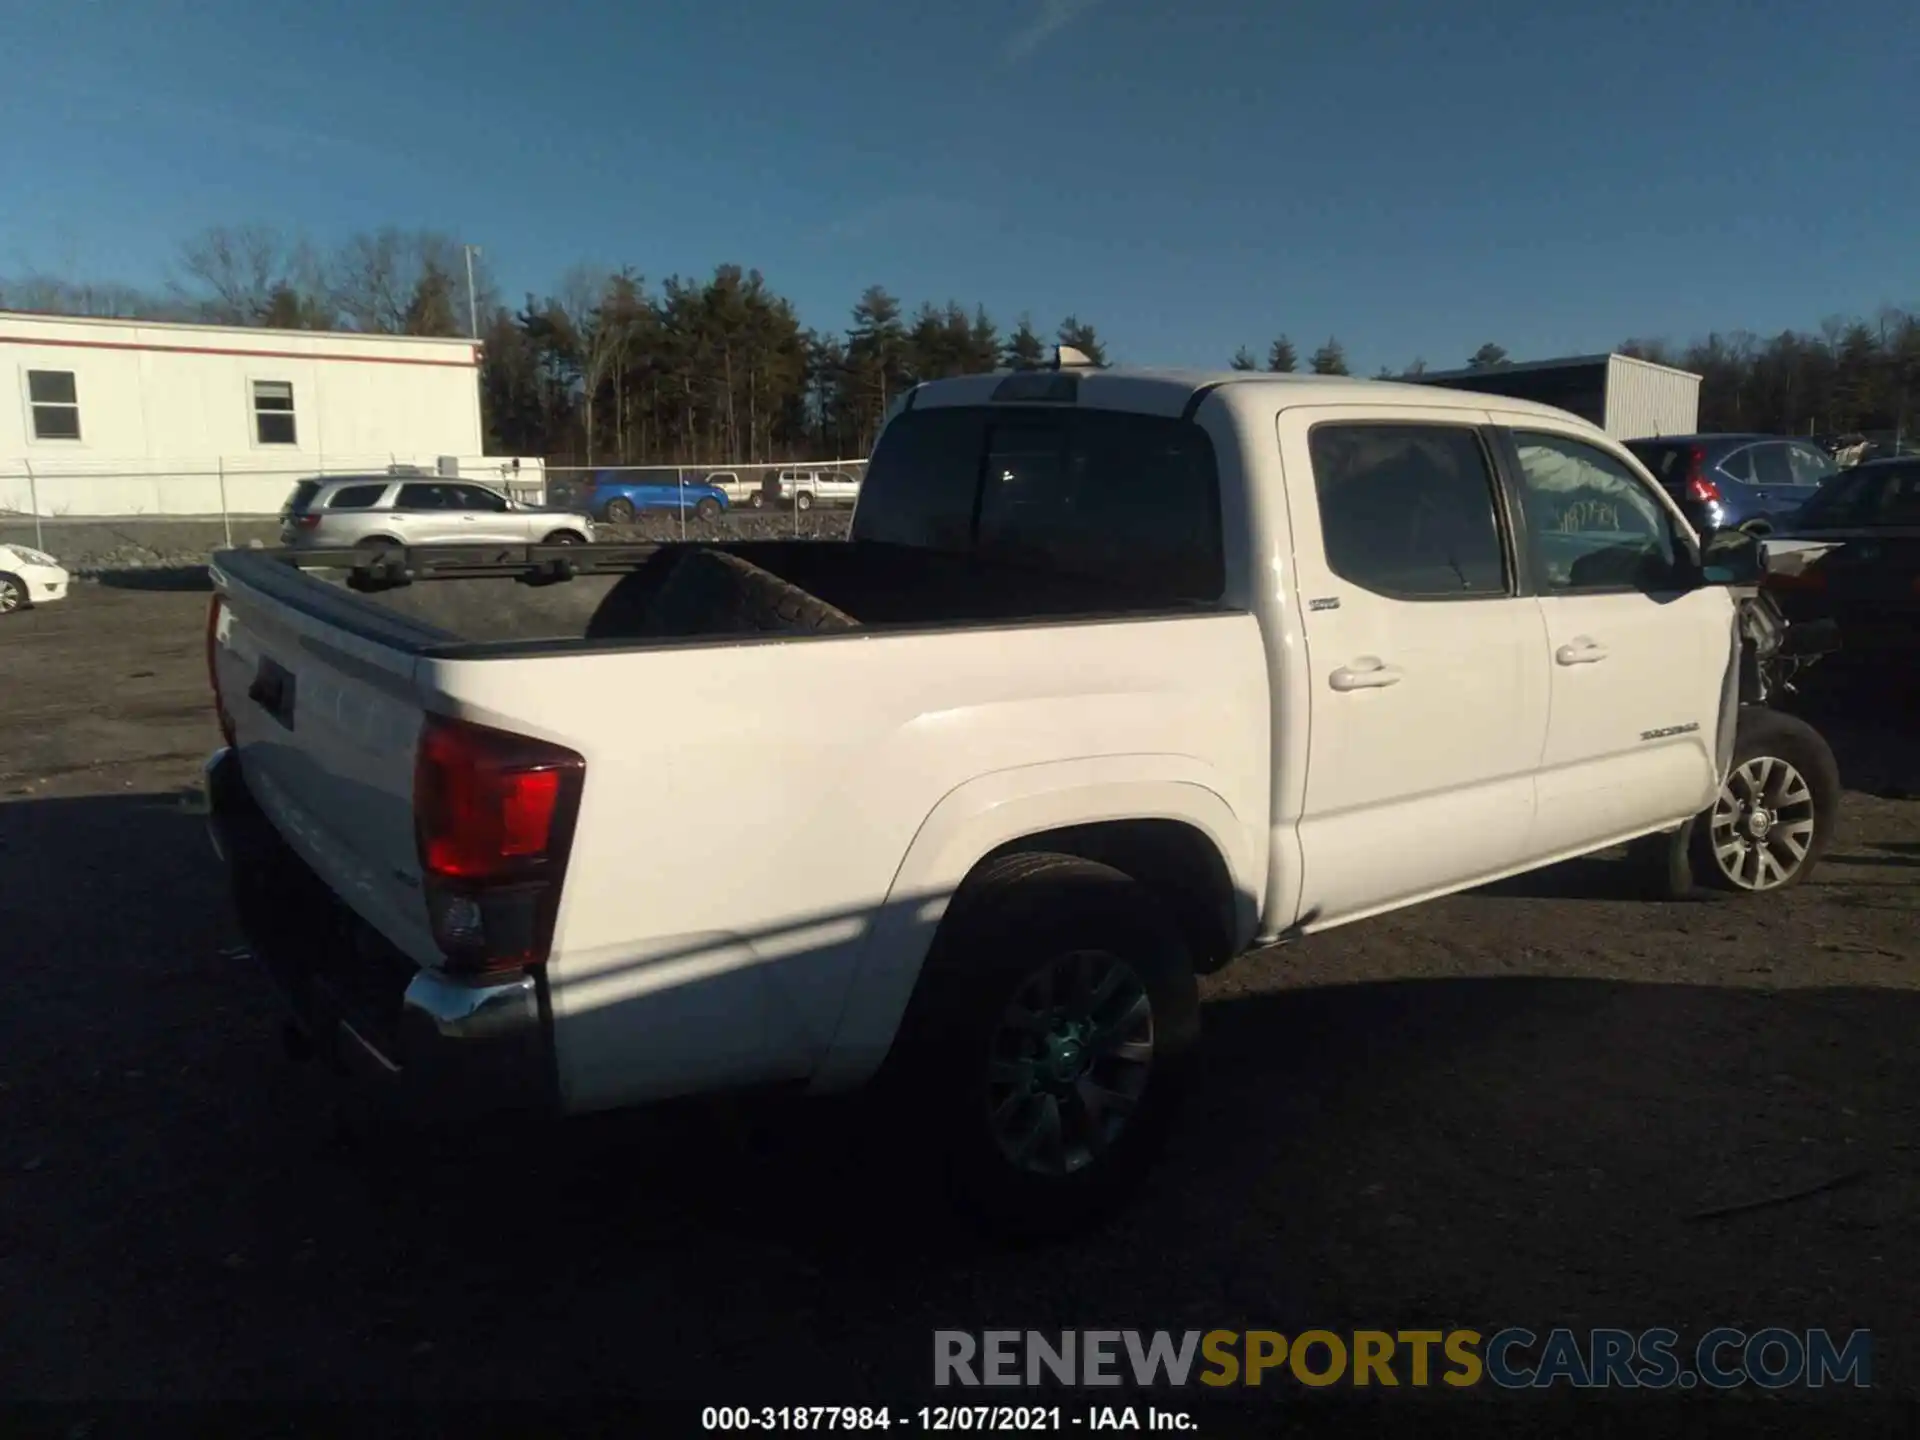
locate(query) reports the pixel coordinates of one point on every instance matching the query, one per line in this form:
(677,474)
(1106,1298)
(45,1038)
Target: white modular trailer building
(1630,399)
(132,417)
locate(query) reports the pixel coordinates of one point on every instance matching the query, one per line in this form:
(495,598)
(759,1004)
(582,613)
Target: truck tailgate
(325,722)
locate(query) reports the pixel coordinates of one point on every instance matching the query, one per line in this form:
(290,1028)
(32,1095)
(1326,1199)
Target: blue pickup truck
(616,496)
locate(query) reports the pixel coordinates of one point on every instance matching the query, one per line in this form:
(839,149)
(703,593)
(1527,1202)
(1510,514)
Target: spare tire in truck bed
(703,591)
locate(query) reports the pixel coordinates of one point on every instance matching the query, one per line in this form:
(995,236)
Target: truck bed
(768,825)
(452,599)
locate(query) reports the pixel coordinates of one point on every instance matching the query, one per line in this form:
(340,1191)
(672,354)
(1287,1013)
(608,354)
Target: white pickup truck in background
(1120,675)
(803,489)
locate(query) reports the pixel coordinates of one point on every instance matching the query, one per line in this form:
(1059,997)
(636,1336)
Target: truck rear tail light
(215,608)
(309,521)
(1699,487)
(494,815)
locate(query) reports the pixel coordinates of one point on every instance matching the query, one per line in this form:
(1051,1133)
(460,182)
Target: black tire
(620,512)
(803,500)
(757,500)
(565,537)
(708,509)
(376,544)
(1025,917)
(712,592)
(13,594)
(1699,860)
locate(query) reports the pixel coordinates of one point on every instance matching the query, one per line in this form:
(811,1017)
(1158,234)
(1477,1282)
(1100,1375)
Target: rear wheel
(708,509)
(620,512)
(1050,1042)
(13,594)
(757,500)
(565,537)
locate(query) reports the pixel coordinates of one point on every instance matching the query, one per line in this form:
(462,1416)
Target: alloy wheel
(1068,1062)
(1762,826)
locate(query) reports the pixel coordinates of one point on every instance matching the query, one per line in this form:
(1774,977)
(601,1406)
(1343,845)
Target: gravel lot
(1499,1109)
(88,547)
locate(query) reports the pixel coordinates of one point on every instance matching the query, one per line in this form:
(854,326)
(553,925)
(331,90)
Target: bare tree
(50,295)
(371,283)
(253,275)
(386,280)
(240,265)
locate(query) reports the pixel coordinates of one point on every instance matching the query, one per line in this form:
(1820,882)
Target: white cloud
(1052,17)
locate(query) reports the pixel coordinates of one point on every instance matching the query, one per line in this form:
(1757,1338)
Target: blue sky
(1413,177)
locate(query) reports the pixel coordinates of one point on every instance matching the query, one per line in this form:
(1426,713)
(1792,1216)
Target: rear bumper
(438,1049)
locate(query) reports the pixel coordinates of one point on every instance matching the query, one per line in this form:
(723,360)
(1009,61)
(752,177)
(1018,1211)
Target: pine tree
(1025,349)
(1243,359)
(1082,338)
(1280,357)
(1329,359)
(430,307)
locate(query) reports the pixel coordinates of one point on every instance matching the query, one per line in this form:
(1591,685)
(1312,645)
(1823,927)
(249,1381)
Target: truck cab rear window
(1103,495)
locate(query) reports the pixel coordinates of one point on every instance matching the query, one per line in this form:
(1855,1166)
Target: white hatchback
(29,577)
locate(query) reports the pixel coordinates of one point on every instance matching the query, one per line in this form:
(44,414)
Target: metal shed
(1630,399)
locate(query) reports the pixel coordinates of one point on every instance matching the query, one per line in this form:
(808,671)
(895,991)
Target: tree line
(606,369)
(610,369)
(1851,376)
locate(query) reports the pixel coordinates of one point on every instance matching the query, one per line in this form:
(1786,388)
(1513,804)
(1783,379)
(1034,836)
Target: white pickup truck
(1120,675)
(804,489)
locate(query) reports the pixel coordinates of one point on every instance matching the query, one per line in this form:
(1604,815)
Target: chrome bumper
(445,1048)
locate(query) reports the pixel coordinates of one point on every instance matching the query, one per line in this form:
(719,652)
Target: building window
(55,403)
(273,413)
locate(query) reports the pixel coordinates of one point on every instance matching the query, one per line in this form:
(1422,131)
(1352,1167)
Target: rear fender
(995,810)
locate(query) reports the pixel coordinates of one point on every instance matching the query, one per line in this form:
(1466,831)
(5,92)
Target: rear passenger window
(356,497)
(1739,465)
(1591,523)
(1771,466)
(1407,511)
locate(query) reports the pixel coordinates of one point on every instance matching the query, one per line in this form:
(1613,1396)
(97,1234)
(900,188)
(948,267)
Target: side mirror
(1731,557)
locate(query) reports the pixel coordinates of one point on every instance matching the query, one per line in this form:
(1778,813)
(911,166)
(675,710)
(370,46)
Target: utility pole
(473,301)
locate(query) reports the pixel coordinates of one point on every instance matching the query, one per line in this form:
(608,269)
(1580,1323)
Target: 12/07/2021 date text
(943,1419)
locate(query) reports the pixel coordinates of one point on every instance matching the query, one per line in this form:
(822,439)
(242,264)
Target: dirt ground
(1507,1108)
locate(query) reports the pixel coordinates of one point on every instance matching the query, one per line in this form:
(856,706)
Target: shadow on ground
(1472,1151)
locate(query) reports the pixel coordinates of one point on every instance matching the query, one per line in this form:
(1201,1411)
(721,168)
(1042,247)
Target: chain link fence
(800,499)
(126,517)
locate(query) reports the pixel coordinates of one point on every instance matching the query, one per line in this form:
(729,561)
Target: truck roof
(1170,392)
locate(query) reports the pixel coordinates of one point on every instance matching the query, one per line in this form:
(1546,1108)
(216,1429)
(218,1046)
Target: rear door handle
(1581,651)
(1369,672)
